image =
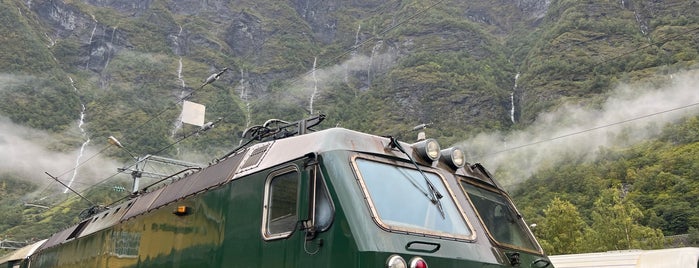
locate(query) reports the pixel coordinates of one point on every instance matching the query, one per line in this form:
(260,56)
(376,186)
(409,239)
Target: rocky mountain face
(85,70)
(265,43)
(465,67)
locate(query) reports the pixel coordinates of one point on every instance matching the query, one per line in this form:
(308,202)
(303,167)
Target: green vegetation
(452,64)
(23,220)
(648,190)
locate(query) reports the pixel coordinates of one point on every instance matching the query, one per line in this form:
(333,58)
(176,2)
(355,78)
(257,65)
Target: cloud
(8,81)
(358,69)
(25,156)
(630,114)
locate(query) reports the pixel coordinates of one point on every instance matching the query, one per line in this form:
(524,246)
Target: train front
(414,205)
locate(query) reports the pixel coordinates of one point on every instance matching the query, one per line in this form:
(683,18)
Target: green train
(303,198)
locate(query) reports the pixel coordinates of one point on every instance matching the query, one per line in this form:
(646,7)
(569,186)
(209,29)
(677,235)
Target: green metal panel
(222,227)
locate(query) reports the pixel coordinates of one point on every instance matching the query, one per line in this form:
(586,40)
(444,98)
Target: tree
(562,229)
(693,237)
(615,225)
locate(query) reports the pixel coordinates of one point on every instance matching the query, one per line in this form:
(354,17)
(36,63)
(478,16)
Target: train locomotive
(303,198)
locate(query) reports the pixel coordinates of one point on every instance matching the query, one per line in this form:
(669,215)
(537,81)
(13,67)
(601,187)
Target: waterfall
(111,42)
(178,123)
(243,86)
(51,41)
(315,85)
(176,40)
(642,26)
(89,43)
(353,53)
(512,100)
(179,74)
(374,50)
(83,133)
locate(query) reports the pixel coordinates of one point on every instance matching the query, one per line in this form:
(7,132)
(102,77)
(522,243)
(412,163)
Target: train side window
(323,206)
(281,193)
(499,216)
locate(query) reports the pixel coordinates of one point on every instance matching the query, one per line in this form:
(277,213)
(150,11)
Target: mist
(25,155)
(358,69)
(630,114)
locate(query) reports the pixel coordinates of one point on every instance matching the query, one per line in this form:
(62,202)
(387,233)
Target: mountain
(73,73)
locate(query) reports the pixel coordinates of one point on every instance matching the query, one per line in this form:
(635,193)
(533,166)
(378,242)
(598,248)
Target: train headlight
(395,261)
(454,157)
(427,149)
(418,262)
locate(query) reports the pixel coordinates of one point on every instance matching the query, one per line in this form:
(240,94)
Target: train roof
(246,161)
(241,162)
(21,253)
(284,150)
(660,258)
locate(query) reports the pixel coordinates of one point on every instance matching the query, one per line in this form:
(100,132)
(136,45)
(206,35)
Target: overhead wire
(364,42)
(161,112)
(664,40)
(344,54)
(667,39)
(106,147)
(590,129)
(377,37)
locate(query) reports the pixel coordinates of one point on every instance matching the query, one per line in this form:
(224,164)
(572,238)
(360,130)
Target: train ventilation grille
(256,155)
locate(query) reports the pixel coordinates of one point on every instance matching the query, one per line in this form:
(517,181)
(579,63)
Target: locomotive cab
(331,198)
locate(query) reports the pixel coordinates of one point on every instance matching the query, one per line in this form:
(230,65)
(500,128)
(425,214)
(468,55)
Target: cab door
(280,216)
(297,213)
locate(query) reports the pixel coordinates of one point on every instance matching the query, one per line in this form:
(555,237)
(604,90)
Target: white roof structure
(661,258)
(21,253)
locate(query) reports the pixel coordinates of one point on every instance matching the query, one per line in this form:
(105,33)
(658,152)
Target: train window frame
(269,231)
(319,188)
(471,237)
(537,249)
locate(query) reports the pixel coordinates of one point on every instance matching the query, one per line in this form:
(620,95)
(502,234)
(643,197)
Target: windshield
(504,224)
(401,198)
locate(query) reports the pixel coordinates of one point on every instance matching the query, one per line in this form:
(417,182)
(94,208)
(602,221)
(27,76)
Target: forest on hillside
(487,78)
(626,198)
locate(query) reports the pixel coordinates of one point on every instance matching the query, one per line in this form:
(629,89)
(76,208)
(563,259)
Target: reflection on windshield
(503,223)
(400,197)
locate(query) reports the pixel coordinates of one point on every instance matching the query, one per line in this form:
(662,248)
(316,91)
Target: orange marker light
(181,210)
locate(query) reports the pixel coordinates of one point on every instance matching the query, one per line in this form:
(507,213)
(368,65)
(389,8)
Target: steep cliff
(86,70)
(448,62)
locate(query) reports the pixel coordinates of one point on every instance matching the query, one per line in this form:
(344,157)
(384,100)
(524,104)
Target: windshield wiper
(434,194)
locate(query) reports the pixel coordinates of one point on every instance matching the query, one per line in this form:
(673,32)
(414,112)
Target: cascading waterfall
(512,100)
(176,40)
(183,93)
(354,52)
(641,26)
(177,125)
(111,41)
(81,122)
(89,42)
(51,41)
(179,74)
(315,85)
(243,86)
(374,50)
